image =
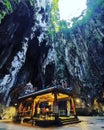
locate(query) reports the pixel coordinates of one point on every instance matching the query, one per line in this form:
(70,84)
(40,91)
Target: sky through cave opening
(69,9)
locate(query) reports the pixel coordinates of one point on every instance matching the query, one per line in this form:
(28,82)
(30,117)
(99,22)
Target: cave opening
(69,9)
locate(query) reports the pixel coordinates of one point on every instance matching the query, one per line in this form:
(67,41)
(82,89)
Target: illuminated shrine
(53,105)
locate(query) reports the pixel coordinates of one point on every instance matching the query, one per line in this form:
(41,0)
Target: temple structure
(53,105)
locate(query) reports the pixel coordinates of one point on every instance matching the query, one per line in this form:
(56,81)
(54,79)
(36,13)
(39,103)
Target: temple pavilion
(51,106)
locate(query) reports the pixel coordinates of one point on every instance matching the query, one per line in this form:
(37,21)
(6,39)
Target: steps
(69,121)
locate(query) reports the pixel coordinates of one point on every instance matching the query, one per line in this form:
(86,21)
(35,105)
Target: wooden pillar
(55,106)
(33,107)
(20,107)
(68,107)
(73,106)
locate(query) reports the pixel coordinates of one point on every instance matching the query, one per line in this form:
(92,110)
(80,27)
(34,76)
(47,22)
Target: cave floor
(87,123)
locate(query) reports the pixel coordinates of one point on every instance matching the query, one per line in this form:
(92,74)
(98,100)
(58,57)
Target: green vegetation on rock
(2,14)
(8,5)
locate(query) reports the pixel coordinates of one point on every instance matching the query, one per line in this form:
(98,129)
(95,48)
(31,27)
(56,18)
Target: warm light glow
(77,100)
(71,8)
(45,97)
(15,104)
(8,113)
(49,103)
(60,96)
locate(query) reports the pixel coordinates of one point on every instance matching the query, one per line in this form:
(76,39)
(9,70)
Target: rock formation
(28,53)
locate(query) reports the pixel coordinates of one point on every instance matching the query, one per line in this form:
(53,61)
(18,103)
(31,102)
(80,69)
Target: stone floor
(87,123)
